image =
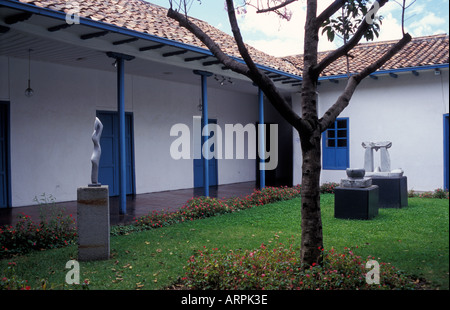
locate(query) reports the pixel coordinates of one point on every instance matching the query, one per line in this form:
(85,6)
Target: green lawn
(414,239)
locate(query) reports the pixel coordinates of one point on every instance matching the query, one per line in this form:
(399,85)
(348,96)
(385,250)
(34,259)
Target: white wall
(234,108)
(407,111)
(158,107)
(51,131)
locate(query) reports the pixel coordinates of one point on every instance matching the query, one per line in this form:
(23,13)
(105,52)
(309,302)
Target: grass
(414,239)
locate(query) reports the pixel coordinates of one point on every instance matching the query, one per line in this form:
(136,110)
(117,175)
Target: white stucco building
(75,73)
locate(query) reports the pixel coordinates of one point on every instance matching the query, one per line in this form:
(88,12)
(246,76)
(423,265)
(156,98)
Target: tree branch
(259,78)
(343,50)
(239,40)
(210,44)
(270,9)
(329,11)
(330,116)
(249,69)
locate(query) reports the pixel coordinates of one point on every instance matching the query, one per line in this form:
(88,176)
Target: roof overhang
(391,72)
(24,26)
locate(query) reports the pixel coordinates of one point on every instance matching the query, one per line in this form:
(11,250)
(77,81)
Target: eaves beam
(281,79)
(289,82)
(151,47)
(169,54)
(210,63)
(130,40)
(189,59)
(94,35)
(393,75)
(59,27)
(4,29)
(17,18)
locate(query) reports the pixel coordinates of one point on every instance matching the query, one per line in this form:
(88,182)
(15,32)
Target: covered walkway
(137,205)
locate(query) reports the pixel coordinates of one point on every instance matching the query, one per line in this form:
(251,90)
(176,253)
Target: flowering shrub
(203,207)
(9,280)
(271,194)
(328,188)
(278,267)
(26,235)
(438,193)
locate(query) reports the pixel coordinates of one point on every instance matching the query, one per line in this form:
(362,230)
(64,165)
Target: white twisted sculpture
(95,158)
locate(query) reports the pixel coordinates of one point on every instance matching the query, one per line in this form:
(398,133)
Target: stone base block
(356,183)
(93,223)
(356,203)
(393,191)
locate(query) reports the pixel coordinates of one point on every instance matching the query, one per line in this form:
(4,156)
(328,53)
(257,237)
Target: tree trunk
(312,238)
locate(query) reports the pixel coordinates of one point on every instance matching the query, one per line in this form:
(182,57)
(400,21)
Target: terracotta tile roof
(152,19)
(421,51)
(149,18)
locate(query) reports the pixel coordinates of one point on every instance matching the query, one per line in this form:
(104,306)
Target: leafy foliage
(345,23)
(10,281)
(328,188)
(55,229)
(277,267)
(438,193)
(204,207)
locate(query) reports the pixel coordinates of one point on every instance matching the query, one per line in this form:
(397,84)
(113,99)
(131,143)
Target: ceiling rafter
(120,42)
(59,27)
(94,35)
(169,54)
(151,47)
(17,18)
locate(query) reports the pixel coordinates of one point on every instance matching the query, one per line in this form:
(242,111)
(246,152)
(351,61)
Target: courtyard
(154,258)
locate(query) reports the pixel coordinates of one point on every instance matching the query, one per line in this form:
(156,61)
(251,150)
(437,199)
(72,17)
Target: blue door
(109,162)
(4,155)
(212,165)
(446,153)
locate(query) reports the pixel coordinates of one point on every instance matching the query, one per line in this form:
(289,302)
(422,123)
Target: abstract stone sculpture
(385,161)
(95,158)
(356,179)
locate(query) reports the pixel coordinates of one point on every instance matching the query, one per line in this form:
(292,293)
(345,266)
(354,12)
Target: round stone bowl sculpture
(354,173)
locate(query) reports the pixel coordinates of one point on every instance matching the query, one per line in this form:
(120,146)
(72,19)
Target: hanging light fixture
(29,91)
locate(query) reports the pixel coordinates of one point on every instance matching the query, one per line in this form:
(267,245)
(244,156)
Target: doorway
(5,201)
(212,164)
(108,173)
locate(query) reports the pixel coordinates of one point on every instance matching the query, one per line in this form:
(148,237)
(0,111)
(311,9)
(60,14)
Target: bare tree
(308,124)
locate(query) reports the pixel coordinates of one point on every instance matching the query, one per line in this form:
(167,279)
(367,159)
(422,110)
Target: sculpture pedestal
(93,223)
(393,191)
(356,203)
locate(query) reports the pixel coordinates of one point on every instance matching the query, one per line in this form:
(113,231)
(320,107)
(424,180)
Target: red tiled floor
(137,205)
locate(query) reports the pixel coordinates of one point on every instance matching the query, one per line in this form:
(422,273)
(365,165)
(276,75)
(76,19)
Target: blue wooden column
(261,136)
(204,145)
(120,63)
